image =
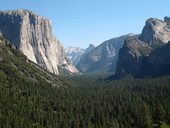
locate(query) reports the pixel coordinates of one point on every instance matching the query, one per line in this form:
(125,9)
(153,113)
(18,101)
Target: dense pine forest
(31,97)
(87,102)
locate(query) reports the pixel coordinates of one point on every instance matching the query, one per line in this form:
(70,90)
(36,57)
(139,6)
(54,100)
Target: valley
(87,102)
(32,97)
(124,82)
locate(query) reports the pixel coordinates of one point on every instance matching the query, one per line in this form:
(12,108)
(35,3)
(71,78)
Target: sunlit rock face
(156,32)
(32,34)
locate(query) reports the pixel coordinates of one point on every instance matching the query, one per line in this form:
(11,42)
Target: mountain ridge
(76,53)
(103,58)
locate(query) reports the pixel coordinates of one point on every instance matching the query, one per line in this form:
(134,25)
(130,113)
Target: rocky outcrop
(149,55)
(103,58)
(89,49)
(132,56)
(155,63)
(159,61)
(156,32)
(32,34)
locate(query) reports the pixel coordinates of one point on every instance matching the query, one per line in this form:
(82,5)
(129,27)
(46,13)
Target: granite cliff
(149,55)
(32,34)
(156,32)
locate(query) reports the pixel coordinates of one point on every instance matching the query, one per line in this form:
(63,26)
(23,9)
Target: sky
(83,22)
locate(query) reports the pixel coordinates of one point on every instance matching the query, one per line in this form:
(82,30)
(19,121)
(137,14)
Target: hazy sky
(80,22)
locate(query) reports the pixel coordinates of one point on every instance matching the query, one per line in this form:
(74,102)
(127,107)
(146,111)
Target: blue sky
(80,22)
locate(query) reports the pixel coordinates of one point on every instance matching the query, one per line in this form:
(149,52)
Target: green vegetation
(165,126)
(28,99)
(87,103)
(16,67)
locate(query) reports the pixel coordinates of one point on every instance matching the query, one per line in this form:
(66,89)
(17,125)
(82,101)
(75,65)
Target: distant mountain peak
(76,53)
(90,48)
(103,58)
(91,45)
(130,34)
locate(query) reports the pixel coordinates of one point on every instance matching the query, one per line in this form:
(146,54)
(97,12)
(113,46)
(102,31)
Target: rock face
(14,65)
(149,55)
(159,61)
(131,57)
(32,34)
(103,58)
(89,49)
(156,32)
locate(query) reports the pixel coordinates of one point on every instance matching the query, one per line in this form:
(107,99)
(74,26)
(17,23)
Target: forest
(84,102)
(31,97)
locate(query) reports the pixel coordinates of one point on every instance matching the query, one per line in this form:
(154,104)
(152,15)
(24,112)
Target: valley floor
(87,102)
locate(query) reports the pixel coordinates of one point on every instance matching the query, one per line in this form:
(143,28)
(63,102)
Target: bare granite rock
(32,34)
(156,32)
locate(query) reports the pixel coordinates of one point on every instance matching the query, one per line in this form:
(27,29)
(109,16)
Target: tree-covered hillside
(16,68)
